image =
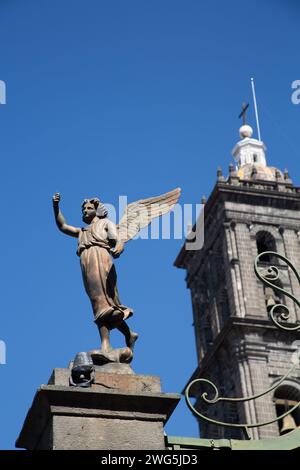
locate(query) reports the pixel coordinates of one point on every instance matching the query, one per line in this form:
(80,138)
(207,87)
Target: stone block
(120,411)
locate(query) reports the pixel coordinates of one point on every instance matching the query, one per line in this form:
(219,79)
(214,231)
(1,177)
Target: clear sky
(109,98)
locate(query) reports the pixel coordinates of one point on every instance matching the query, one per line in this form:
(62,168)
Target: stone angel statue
(100,241)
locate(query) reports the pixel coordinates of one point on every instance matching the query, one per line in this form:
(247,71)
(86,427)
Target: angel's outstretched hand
(117,250)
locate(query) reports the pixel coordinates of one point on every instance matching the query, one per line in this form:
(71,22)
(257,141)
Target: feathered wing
(139,214)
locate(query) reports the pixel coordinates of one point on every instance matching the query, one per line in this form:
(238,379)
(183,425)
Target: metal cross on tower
(245,106)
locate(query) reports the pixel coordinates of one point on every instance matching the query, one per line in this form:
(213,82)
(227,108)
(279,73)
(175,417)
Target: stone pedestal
(121,411)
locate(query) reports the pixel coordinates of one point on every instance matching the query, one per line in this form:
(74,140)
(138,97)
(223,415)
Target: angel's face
(88,213)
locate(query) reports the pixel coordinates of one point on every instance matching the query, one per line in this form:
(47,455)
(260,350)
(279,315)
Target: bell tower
(256,208)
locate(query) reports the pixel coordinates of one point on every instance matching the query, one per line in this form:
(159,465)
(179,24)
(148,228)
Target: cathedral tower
(255,209)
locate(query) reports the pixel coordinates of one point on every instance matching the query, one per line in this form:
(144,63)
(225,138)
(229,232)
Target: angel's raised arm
(61,221)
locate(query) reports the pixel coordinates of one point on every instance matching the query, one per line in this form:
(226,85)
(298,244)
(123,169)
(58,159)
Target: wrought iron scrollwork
(217,399)
(279,312)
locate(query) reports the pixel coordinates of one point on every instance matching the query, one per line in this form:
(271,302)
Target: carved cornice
(241,194)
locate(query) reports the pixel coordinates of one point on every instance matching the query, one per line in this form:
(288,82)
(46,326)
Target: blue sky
(122,98)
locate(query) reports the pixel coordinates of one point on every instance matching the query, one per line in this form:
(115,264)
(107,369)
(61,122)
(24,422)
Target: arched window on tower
(265,242)
(285,398)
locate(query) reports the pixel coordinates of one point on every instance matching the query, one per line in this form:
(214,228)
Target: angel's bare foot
(131,339)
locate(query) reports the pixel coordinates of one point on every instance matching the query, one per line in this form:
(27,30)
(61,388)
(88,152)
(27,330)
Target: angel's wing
(139,214)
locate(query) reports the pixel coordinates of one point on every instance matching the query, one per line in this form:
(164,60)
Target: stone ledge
(92,412)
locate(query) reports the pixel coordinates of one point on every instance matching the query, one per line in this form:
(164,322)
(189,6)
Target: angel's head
(92,208)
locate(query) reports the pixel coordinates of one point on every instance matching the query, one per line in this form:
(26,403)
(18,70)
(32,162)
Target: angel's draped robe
(98,271)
